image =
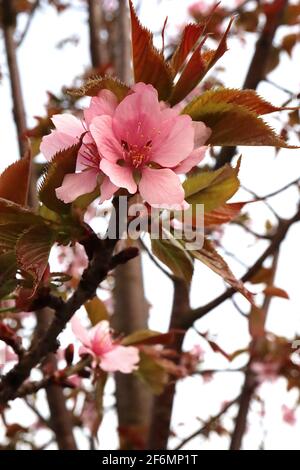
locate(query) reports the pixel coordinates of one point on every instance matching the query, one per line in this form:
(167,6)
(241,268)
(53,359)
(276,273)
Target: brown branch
(250,383)
(9,22)
(207,426)
(257,69)
(95,22)
(163,404)
(97,270)
(61,420)
(58,378)
(283,227)
(28,23)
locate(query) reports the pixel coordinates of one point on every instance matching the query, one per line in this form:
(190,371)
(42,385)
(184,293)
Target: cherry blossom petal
(68,124)
(77,184)
(108,146)
(192,160)
(202,133)
(80,332)
(105,103)
(121,176)
(101,338)
(54,142)
(108,189)
(174,142)
(161,187)
(120,358)
(137,118)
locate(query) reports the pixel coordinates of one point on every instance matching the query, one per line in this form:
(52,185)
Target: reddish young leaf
(190,36)
(14,213)
(273,291)
(148,63)
(257,320)
(15,180)
(33,249)
(223,214)
(8,269)
(197,67)
(211,258)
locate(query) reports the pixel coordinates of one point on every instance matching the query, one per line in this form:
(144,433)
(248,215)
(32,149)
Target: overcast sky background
(43,68)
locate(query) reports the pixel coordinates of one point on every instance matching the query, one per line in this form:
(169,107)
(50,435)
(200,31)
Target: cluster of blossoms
(139,144)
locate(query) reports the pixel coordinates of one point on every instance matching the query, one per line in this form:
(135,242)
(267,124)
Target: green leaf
(190,36)
(171,253)
(139,336)
(148,63)
(15,181)
(152,374)
(233,125)
(211,258)
(96,310)
(212,188)
(93,86)
(63,162)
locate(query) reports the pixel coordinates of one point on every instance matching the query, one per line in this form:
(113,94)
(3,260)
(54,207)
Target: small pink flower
(7,355)
(144,146)
(288,415)
(68,131)
(99,343)
(267,371)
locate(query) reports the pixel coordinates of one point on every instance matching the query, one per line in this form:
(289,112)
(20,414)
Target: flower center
(136,156)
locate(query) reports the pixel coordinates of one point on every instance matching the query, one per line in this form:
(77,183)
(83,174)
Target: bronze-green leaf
(212,188)
(171,253)
(233,125)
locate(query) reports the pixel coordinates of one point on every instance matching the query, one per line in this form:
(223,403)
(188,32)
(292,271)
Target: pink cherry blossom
(144,146)
(7,355)
(288,415)
(69,130)
(98,342)
(267,371)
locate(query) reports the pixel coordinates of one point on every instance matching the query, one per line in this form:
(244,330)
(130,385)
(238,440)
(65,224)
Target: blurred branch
(250,382)
(207,426)
(100,264)
(9,23)
(28,23)
(162,406)
(282,229)
(95,22)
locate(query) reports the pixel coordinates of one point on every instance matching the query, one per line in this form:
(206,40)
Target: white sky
(46,68)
